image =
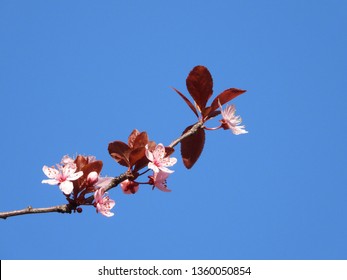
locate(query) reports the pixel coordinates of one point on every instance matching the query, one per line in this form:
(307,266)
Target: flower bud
(92,177)
(129,187)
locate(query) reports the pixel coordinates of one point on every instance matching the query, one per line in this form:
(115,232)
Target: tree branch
(67,208)
(190,132)
(64,208)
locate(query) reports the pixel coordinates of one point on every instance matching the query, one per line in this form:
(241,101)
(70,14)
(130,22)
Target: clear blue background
(76,75)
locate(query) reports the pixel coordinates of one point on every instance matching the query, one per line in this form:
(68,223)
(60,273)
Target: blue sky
(76,75)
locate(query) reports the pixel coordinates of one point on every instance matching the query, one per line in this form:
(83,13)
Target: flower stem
(212,128)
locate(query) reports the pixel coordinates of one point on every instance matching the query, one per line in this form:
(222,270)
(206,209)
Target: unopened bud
(92,177)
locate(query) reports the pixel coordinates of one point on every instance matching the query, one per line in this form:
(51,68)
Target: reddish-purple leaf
(209,114)
(141,140)
(169,151)
(93,166)
(137,142)
(120,152)
(143,162)
(151,145)
(191,106)
(80,162)
(199,84)
(225,97)
(132,137)
(136,155)
(192,146)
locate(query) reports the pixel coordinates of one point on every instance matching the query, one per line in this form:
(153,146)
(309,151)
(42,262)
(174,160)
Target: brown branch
(190,132)
(64,208)
(67,208)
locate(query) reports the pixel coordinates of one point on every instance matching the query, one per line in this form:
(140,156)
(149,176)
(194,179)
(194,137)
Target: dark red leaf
(93,166)
(210,114)
(192,146)
(191,106)
(136,155)
(151,145)
(132,137)
(169,151)
(225,97)
(143,162)
(80,162)
(199,84)
(120,152)
(141,140)
(138,151)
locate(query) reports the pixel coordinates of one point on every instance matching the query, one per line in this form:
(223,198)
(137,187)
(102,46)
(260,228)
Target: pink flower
(63,176)
(129,187)
(159,181)
(103,203)
(158,161)
(230,121)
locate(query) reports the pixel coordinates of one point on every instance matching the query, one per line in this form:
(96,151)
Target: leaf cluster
(200,87)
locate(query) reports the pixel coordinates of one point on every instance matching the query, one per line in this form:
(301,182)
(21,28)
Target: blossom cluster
(79,177)
(76,179)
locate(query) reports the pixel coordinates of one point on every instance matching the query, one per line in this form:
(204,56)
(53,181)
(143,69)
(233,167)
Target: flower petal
(149,154)
(50,172)
(66,187)
(50,182)
(165,170)
(110,203)
(152,166)
(159,151)
(104,181)
(107,214)
(160,181)
(66,160)
(169,162)
(98,195)
(75,176)
(69,169)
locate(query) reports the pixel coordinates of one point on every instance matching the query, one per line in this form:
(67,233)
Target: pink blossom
(158,161)
(230,121)
(129,187)
(63,176)
(159,181)
(103,203)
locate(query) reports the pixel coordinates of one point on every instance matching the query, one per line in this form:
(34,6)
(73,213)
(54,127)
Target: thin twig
(190,132)
(64,208)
